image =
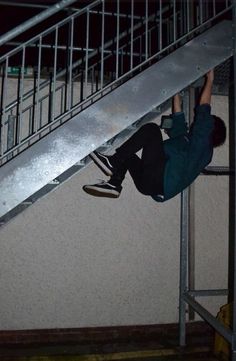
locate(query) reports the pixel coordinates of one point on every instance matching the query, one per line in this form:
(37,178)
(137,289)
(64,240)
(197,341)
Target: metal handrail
(28,24)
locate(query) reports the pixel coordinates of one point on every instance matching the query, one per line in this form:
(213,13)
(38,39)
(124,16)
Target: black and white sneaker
(103,189)
(103,162)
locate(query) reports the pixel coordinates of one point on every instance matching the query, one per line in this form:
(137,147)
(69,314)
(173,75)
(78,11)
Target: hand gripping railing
(86,55)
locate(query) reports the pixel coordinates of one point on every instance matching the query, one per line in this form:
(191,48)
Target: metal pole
(117,38)
(146,29)
(160,25)
(86,54)
(191,249)
(234,271)
(132,34)
(183,265)
(102,45)
(174,21)
(34,20)
(184,244)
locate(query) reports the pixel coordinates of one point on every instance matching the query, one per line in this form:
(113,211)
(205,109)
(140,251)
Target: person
(166,167)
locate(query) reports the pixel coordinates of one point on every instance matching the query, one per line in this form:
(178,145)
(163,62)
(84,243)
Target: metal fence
(81,58)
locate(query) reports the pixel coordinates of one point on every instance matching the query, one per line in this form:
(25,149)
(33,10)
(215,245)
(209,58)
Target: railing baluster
(188,17)
(54,82)
(102,44)
(146,29)
(86,55)
(117,38)
(69,103)
(160,26)
(37,124)
(174,20)
(200,11)
(3,112)
(20,125)
(132,35)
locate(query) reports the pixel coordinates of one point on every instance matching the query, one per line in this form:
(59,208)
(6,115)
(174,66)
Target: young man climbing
(165,167)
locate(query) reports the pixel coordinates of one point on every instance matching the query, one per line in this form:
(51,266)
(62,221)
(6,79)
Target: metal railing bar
(27,5)
(132,34)
(69,104)
(225,332)
(160,25)
(19,130)
(3,112)
(118,38)
(206,293)
(86,54)
(50,29)
(214,7)
(28,24)
(174,20)
(107,13)
(54,74)
(37,122)
(102,46)
(146,27)
(200,11)
(63,47)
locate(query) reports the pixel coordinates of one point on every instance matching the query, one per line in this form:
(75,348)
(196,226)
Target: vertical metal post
(214,7)
(183,264)
(200,11)
(234,281)
(86,54)
(191,247)
(117,38)
(132,34)
(38,120)
(146,29)
(69,105)
(174,21)
(184,240)
(3,105)
(188,17)
(21,98)
(10,131)
(54,75)
(102,44)
(160,25)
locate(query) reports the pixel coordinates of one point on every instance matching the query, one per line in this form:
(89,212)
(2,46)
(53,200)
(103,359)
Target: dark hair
(219,132)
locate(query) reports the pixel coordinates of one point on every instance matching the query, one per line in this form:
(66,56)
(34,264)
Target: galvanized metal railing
(86,55)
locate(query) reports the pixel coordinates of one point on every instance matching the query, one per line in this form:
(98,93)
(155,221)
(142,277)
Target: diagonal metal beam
(35,20)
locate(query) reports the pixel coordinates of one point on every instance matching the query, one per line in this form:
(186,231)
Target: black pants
(147,172)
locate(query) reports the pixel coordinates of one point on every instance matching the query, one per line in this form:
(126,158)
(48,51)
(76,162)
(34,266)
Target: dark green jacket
(187,153)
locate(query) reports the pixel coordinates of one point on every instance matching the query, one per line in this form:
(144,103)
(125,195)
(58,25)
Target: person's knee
(151,129)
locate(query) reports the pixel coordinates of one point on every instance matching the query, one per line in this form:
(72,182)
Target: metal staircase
(84,92)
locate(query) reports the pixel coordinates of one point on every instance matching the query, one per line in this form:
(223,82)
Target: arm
(176,104)
(179,126)
(207,89)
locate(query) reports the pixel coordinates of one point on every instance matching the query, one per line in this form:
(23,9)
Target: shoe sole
(97,193)
(101,165)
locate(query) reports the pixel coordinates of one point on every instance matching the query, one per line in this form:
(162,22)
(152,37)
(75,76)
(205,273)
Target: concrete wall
(72,260)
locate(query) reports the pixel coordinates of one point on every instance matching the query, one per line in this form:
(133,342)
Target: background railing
(81,58)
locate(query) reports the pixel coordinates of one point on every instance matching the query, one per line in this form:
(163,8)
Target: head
(219,132)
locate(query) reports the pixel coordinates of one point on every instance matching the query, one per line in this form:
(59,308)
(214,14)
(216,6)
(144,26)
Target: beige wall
(72,260)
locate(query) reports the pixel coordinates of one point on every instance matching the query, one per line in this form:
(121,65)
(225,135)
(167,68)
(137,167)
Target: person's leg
(147,172)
